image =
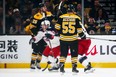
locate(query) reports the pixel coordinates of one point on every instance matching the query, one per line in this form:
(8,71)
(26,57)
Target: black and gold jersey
(69,27)
(36,20)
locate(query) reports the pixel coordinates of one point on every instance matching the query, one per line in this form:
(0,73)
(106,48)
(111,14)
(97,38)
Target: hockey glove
(82,35)
(49,36)
(32,40)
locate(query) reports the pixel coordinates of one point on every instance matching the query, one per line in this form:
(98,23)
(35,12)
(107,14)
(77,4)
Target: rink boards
(15,52)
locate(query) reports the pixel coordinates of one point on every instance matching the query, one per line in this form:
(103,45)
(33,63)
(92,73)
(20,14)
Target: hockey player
(69,27)
(52,52)
(36,20)
(83,46)
(33,28)
(39,42)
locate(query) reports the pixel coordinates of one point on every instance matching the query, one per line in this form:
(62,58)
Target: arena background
(15,51)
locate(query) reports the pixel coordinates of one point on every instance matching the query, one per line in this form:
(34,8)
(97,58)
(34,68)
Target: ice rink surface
(99,72)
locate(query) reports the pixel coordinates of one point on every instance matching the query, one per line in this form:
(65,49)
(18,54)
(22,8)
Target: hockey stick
(102,39)
(59,9)
(84,30)
(48,61)
(46,65)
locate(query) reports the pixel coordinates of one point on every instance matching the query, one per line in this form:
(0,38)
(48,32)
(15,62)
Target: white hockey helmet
(45,22)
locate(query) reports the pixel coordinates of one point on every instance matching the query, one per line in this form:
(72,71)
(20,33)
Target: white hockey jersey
(41,35)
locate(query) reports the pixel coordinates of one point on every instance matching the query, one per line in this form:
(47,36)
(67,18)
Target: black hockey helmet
(41,5)
(70,8)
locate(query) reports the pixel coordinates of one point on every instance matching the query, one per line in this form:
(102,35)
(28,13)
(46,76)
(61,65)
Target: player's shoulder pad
(76,16)
(64,15)
(72,16)
(38,16)
(49,13)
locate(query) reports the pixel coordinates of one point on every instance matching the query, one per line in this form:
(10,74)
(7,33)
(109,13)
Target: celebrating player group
(53,37)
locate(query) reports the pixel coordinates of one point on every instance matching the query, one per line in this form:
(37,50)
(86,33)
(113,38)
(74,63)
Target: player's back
(69,26)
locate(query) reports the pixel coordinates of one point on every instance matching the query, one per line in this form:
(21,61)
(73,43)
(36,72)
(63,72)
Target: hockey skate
(61,66)
(74,70)
(89,69)
(53,68)
(62,69)
(38,66)
(33,66)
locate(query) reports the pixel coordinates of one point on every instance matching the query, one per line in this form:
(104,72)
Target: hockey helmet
(41,5)
(70,8)
(45,22)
